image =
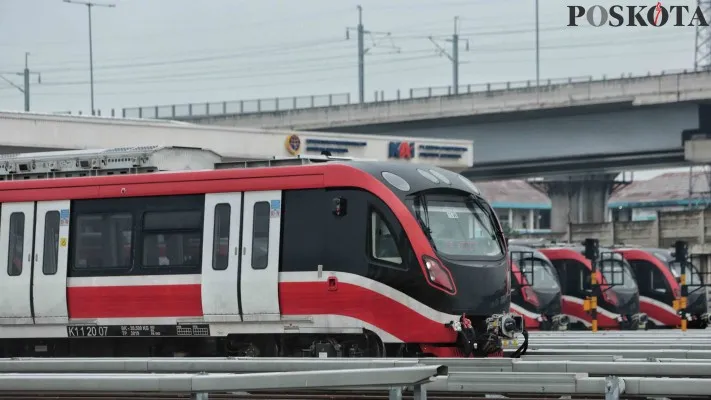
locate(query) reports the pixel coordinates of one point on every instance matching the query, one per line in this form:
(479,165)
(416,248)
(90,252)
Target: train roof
(131,164)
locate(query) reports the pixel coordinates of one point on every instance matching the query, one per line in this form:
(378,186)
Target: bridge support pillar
(578,198)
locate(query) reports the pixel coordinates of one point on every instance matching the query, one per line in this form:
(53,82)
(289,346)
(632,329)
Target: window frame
(135,206)
(254,227)
(74,242)
(373,215)
(54,244)
(10,248)
(216,238)
(143,233)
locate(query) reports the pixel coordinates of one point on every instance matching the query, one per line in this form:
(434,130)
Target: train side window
(383,245)
(221,237)
(172,238)
(50,251)
(16,246)
(103,240)
(260,235)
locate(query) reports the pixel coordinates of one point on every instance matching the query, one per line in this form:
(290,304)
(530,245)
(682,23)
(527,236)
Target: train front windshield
(459,226)
(543,275)
(618,273)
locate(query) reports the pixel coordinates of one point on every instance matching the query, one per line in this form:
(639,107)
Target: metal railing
(237,107)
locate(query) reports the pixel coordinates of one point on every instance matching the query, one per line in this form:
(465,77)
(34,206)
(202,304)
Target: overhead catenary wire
(287,47)
(333,78)
(475,49)
(212,77)
(259,85)
(214,74)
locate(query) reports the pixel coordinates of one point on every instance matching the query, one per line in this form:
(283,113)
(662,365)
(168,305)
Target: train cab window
(459,226)
(103,241)
(15,253)
(172,238)
(383,243)
(221,237)
(50,250)
(260,235)
(659,283)
(571,275)
(644,274)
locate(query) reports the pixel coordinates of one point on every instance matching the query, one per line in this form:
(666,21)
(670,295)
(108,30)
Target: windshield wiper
(492,235)
(492,220)
(419,201)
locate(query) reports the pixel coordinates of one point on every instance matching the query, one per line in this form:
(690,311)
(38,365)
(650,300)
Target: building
(527,210)
(671,191)
(518,205)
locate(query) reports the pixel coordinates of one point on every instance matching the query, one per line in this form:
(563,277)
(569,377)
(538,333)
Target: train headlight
(438,275)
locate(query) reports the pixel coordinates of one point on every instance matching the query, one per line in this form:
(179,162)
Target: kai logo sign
(656,15)
(401,150)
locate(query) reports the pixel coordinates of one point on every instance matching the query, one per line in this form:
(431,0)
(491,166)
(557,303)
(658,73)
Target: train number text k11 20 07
(87,331)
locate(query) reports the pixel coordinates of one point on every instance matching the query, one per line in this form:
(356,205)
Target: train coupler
(640,320)
(487,340)
(466,335)
(508,326)
(560,322)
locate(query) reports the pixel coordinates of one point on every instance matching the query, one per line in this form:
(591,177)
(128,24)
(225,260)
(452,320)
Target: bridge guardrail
(207,109)
(237,107)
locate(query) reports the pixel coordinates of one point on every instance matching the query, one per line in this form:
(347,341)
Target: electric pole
(362,51)
(91,47)
(454,57)
(361,57)
(538,49)
(25,89)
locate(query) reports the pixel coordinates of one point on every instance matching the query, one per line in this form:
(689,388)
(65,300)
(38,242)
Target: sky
(163,52)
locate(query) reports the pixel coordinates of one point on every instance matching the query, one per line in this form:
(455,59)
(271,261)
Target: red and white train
(167,251)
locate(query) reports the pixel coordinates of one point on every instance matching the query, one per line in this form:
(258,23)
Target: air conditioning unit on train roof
(115,161)
(285,161)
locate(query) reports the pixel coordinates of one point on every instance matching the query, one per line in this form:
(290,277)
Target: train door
(221,257)
(259,277)
(49,285)
(16,226)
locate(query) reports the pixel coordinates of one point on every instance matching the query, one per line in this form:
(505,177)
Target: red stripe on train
(577,310)
(295,298)
(134,301)
(658,313)
(304,298)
